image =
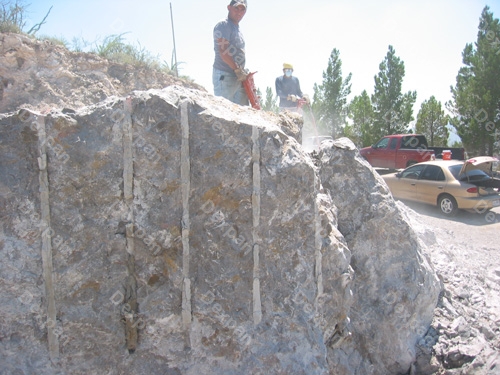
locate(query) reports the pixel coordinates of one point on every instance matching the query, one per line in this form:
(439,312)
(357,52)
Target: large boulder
(174,232)
(170,232)
(395,287)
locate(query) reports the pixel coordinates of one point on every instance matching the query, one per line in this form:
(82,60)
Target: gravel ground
(465,334)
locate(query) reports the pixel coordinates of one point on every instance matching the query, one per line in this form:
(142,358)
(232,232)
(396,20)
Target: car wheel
(448,205)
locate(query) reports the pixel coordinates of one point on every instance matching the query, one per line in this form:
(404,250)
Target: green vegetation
(431,121)
(393,110)
(476,96)
(60,41)
(12,18)
(330,98)
(271,102)
(362,117)
(113,48)
(388,111)
(475,107)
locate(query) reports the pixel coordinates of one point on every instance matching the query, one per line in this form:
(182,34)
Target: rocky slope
(43,76)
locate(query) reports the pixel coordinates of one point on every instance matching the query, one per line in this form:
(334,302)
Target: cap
(235,3)
(287,66)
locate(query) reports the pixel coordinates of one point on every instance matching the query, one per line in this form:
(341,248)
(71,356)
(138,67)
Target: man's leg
(228,86)
(224,84)
(218,77)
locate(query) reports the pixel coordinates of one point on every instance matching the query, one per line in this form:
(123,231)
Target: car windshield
(412,172)
(472,175)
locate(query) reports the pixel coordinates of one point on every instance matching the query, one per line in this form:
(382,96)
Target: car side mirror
(398,175)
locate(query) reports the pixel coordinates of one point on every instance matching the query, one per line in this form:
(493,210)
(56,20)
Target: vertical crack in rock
(47,242)
(186,187)
(317,245)
(257,306)
(131,305)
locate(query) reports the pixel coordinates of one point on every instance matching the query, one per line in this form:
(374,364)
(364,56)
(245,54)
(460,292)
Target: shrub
(12,17)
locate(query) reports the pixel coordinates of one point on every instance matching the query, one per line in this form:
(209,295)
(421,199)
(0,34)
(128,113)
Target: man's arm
(228,59)
(224,54)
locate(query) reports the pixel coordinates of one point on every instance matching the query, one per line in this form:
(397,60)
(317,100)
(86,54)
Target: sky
(427,35)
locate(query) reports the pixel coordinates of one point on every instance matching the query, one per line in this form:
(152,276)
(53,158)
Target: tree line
(473,111)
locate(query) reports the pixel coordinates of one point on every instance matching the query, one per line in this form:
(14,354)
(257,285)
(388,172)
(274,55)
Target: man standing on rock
(229,65)
(288,89)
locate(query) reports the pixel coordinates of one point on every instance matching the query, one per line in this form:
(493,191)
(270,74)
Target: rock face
(173,232)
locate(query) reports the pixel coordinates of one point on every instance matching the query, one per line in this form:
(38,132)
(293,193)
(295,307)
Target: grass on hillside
(113,48)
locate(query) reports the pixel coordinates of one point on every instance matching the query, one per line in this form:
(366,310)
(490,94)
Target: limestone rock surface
(395,288)
(172,232)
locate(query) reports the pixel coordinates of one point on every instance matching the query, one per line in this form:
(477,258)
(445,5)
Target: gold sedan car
(449,184)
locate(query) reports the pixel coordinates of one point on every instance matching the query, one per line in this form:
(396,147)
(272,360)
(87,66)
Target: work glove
(241,75)
(293,98)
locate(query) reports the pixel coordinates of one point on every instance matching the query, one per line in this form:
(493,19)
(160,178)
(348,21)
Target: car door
(430,184)
(405,187)
(384,153)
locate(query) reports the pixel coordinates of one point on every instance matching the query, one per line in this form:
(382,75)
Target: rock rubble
(464,334)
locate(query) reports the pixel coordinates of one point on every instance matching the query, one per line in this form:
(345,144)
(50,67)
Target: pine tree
(432,122)
(476,96)
(393,110)
(271,103)
(361,115)
(330,98)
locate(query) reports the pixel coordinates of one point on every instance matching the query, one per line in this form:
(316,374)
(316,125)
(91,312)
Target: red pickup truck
(398,151)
